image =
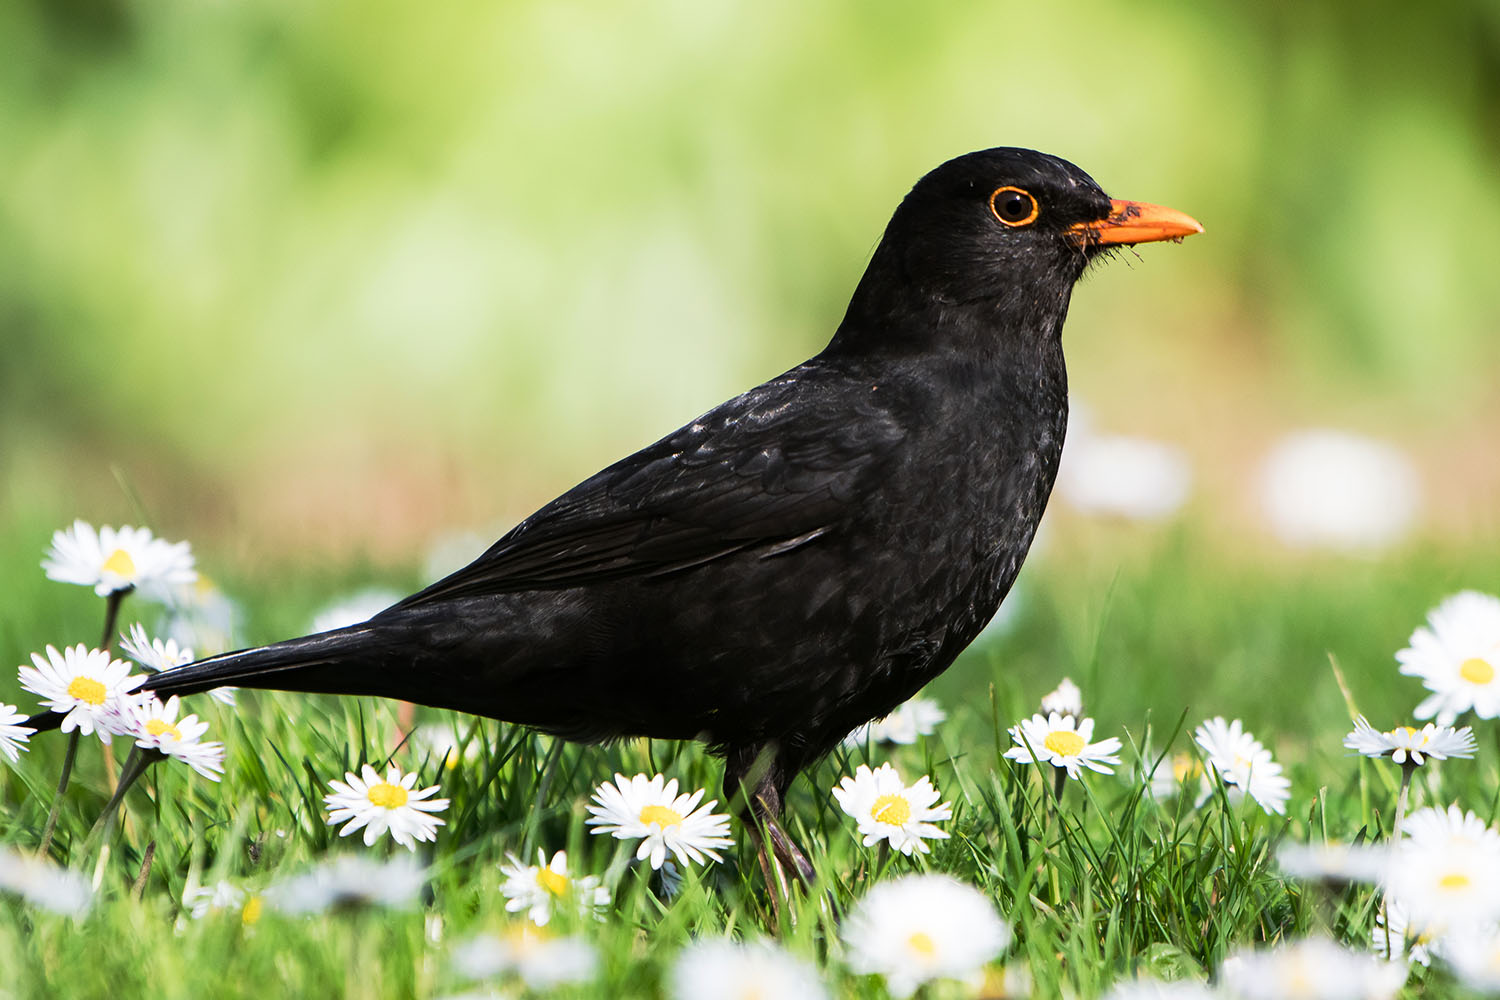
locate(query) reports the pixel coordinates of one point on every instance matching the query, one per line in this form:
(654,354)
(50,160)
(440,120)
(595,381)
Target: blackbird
(800,559)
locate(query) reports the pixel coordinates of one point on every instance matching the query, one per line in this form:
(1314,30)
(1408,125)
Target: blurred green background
(305,282)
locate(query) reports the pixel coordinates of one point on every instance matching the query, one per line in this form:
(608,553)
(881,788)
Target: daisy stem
(111,614)
(1059,785)
(1408,768)
(62,786)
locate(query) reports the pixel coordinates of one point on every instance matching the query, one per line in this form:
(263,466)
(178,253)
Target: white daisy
(453,551)
(43,884)
(1333,489)
(1170,774)
(11,734)
(355,608)
(536,888)
(1404,743)
(153,654)
(202,616)
(1121,476)
(1440,830)
(203,900)
(110,560)
(918,928)
(1454,887)
(1333,862)
(392,803)
(440,743)
(884,808)
(1415,944)
(1475,957)
(1310,969)
(155,726)
(348,880)
(736,970)
(538,959)
(914,718)
(1457,656)
(651,809)
(1065,699)
(1156,989)
(1241,762)
(1063,742)
(157,655)
(84,683)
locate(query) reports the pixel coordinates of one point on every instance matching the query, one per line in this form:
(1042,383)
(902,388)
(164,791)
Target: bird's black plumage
(799,559)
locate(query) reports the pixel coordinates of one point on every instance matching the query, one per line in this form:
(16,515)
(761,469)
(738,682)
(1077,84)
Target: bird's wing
(775,467)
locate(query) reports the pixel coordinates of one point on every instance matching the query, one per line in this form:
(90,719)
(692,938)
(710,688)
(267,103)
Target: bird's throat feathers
(981,309)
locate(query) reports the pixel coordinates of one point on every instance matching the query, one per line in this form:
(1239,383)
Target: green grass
(1160,633)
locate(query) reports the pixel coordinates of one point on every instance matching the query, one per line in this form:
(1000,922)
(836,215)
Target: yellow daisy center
(1184,767)
(554,882)
(1454,881)
(660,815)
(892,809)
(120,564)
(1476,670)
(1064,743)
(386,795)
(158,726)
(1407,730)
(251,911)
(525,939)
(86,689)
(921,942)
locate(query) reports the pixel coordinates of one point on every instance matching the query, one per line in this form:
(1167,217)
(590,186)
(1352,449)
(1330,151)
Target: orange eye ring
(1013,211)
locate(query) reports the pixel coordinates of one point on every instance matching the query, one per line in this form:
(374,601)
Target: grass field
(1161,630)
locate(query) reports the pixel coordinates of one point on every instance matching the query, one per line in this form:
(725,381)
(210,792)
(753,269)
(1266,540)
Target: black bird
(800,559)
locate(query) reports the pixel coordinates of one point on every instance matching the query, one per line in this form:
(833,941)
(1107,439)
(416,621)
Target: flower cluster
(96,694)
(910,720)
(1439,876)
(1436,880)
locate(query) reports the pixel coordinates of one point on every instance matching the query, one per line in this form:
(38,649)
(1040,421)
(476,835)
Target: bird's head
(1003,229)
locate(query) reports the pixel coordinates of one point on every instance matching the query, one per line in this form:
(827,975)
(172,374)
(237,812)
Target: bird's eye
(1014,207)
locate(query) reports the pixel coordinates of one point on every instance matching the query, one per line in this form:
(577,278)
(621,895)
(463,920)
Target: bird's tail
(328,662)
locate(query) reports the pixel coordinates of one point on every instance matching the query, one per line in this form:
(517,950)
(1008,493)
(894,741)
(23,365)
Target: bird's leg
(755,771)
(776,884)
(788,853)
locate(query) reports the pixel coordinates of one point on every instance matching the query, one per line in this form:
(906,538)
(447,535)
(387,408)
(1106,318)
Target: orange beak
(1132,222)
